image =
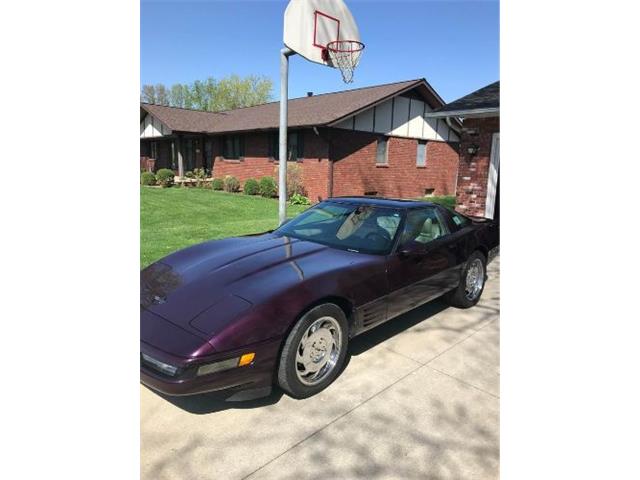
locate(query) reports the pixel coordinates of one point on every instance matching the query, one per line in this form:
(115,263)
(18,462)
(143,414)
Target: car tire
(474,275)
(308,367)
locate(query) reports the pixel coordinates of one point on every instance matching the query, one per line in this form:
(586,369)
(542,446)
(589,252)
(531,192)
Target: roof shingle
(487,98)
(318,110)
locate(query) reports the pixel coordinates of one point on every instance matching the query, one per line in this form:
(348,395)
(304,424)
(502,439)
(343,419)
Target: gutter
(476,112)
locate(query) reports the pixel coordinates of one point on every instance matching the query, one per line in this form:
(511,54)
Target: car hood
(233,274)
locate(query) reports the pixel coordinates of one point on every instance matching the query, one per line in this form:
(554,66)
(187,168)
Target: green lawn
(173,218)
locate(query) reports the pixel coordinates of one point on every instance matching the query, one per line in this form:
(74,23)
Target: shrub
(199,174)
(294,181)
(147,178)
(268,187)
(297,199)
(164,177)
(251,187)
(189,174)
(217,184)
(231,184)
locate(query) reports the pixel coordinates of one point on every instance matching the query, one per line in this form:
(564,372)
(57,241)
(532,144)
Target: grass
(174,218)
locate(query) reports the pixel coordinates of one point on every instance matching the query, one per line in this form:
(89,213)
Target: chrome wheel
(318,350)
(475,279)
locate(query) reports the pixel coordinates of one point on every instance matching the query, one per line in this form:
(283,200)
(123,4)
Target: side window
(423,226)
(459,221)
(381,151)
(421,155)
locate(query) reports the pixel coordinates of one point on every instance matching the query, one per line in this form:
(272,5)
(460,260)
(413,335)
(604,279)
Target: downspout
(452,127)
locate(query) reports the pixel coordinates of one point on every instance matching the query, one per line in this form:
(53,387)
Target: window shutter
(240,146)
(300,152)
(274,145)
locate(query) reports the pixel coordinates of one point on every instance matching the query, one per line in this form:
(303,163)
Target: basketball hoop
(344,55)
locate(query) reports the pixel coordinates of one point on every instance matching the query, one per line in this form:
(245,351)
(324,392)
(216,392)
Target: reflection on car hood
(184,284)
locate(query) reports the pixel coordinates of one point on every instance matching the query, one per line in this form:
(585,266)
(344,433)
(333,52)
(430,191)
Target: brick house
(367,141)
(478,187)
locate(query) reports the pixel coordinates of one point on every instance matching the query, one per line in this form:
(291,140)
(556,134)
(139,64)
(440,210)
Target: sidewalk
(418,399)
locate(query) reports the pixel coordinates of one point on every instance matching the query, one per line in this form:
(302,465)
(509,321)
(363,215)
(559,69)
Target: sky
(454,44)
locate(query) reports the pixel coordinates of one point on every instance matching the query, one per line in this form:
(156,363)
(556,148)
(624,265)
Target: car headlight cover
(161,366)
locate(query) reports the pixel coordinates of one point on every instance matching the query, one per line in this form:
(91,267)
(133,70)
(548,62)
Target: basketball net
(345,55)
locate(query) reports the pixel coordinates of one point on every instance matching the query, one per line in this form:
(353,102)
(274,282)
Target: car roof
(382,202)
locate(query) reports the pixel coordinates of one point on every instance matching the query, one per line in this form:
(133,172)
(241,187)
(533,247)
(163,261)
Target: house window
(381,151)
(233,147)
(154,150)
(421,157)
(295,142)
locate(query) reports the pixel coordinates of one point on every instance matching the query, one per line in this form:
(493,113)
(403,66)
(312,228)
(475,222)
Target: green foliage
(294,180)
(164,177)
(268,187)
(251,187)
(189,174)
(217,184)
(199,173)
(297,199)
(446,200)
(147,178)
(211,94)
(231,184)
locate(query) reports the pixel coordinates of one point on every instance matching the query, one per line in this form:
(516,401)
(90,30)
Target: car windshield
(357,228)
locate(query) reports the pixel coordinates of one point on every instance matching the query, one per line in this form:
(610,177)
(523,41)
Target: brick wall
(474,170)
(355,170)
(257,163)
(356,173)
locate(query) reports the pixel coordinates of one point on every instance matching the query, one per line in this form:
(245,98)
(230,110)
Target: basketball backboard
(309,25)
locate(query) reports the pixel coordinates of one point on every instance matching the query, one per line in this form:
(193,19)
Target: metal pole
(285,53)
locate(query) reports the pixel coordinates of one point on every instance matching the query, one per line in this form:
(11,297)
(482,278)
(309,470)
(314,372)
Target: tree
(148,94)
(177,95)
(211,94)
(162,94)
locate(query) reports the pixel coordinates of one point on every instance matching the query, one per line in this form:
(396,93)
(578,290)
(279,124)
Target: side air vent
(373,313)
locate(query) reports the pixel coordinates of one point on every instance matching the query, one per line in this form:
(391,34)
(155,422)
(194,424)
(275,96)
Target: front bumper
(255,376)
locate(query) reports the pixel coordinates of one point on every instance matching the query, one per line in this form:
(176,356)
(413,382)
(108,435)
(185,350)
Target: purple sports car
(279,308)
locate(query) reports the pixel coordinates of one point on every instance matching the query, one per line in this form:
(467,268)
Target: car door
(423,265)
(459,238)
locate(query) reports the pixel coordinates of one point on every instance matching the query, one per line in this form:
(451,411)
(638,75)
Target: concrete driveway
(419,398)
